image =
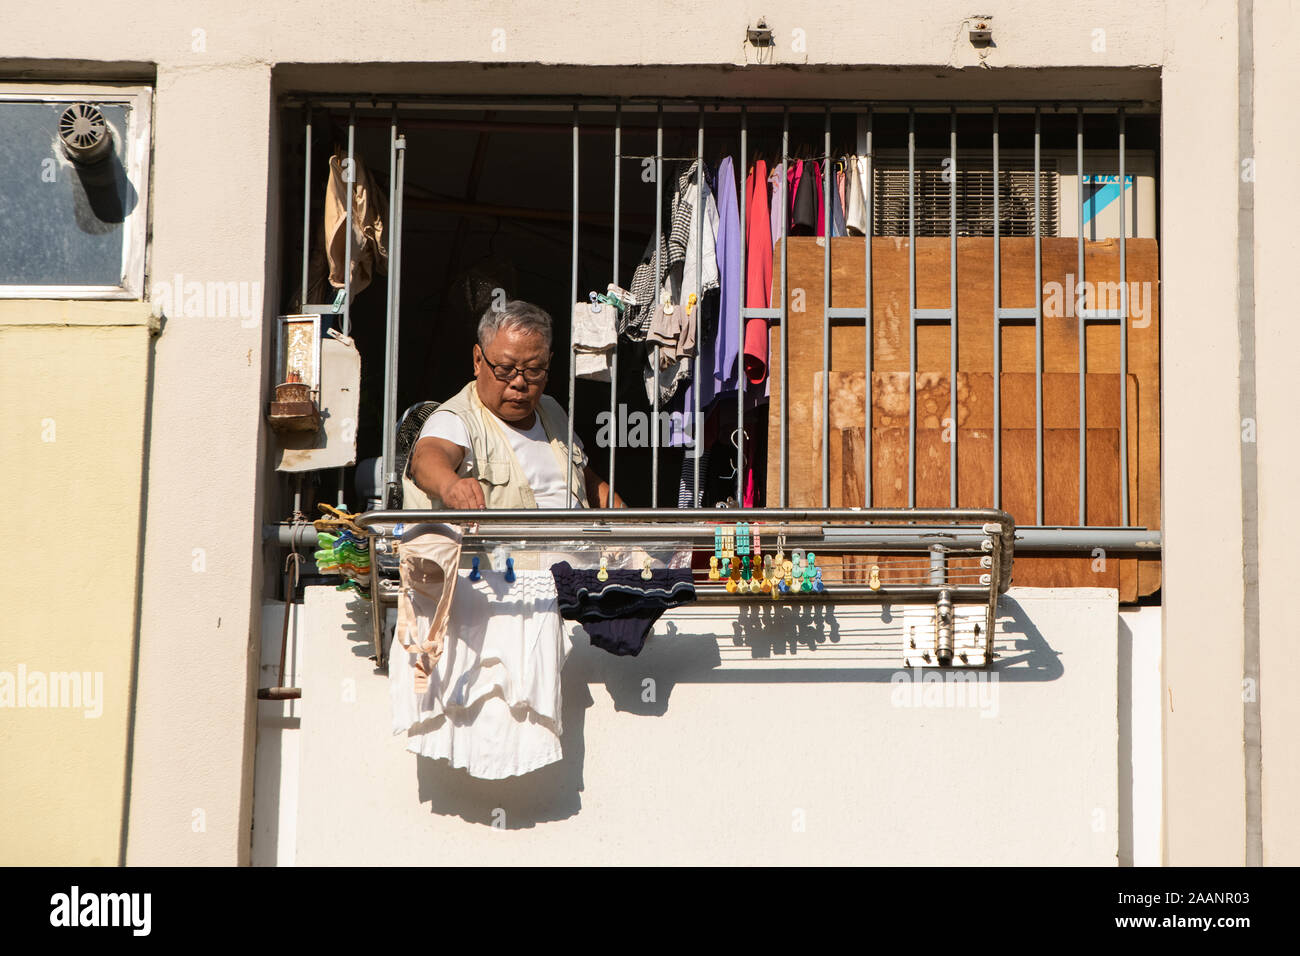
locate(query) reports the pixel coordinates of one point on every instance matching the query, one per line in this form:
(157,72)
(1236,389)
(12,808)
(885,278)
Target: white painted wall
(734,754)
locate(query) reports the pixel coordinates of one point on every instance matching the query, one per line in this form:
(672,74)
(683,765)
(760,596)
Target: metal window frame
(138,98)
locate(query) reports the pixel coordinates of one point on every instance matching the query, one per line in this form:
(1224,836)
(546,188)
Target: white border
(139,101)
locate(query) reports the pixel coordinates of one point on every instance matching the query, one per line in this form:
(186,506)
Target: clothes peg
(473,571)
(731,585)
(713,568)
(594,302)
(667,304)
(646,574)
(690,303)
(510,570)
(745,571)
(874,582)
(726,566)
(787,567)
(621,294)
(817,585)
(603,573)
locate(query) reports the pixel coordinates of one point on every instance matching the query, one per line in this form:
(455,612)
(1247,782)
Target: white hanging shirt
(531,447)
(492,703)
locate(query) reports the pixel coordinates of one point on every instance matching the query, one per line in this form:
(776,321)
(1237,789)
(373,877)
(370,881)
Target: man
(499,442)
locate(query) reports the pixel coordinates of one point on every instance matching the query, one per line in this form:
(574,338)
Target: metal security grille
(975,200)
(907,195)
(1026,203)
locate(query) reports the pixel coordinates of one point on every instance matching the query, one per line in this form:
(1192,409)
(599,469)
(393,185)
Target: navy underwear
(619,612)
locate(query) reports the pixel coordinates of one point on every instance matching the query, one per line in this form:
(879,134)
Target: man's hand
(463,494)
(434,462)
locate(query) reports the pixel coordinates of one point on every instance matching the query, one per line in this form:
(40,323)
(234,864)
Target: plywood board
(975,337)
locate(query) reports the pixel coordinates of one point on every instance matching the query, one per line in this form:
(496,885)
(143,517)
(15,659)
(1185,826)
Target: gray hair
(515,314)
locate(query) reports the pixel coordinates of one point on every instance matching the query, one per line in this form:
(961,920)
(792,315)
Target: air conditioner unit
(1058,193)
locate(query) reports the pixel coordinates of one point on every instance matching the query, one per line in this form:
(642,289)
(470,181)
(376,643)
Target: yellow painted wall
(74,381)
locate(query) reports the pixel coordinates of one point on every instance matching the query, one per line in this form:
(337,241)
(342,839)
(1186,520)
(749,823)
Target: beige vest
(495,466)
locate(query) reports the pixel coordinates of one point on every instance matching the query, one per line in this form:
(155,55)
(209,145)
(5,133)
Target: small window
(74,161)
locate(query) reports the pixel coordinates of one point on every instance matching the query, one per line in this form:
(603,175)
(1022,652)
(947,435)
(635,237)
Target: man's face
(515,400)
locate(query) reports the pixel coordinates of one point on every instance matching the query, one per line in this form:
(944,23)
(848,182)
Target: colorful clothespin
(593,301)
(667,304)
(510,570)
(690,303)
(473,571)
(817,585)
(645,571)
(603,573)
(874,582)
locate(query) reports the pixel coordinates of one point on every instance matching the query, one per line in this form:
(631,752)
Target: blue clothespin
(473,572)
(510,570)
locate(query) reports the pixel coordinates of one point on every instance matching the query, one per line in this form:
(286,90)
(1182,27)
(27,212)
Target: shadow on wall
(643,686)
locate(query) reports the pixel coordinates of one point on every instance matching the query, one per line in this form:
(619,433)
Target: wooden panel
(890,386)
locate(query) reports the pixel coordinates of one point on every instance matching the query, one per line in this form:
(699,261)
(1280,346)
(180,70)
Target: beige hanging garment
(369,213)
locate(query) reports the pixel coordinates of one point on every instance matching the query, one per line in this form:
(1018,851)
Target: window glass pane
(65,223)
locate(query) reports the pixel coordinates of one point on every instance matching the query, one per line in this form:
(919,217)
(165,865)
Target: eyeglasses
(507,373)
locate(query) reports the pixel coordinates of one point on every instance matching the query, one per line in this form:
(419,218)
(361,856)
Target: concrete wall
(73,400)
(804,751)
(1277,343)
(217,73)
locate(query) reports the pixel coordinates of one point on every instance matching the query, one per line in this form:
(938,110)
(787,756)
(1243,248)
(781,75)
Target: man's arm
(434,462)
(598,490)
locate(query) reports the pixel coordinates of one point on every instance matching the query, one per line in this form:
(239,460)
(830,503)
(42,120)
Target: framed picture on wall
(298,350)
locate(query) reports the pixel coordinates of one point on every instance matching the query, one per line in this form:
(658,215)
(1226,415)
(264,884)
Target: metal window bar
(701,207)
(392,318)
(868,306)
(573,297)
(1083,330)
(742,377)
(997,323)
(659,266)
(1038,316)
(1123,337)
(349,179)
(613,370)
(911,308)
(952,309)
(827,186)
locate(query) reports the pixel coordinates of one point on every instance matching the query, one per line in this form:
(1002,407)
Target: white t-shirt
(536,458)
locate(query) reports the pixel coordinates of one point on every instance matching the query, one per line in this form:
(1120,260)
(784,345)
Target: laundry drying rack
(944,558)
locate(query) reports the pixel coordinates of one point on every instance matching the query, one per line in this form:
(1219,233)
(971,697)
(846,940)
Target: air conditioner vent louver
(974,181)
(84,133)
